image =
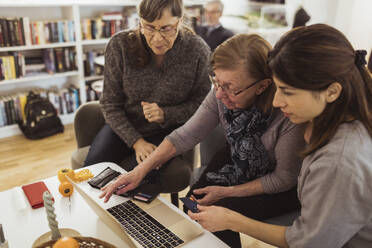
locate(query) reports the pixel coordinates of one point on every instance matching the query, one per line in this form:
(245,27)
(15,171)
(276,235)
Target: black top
(214,38)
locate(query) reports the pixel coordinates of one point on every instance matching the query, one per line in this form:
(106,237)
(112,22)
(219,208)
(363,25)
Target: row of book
(21,31)
(65,100)
(16,64)
(103,27)
(91,68)
(98,29)
(93,91)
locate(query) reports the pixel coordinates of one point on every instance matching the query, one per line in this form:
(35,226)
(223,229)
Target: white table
(23,225)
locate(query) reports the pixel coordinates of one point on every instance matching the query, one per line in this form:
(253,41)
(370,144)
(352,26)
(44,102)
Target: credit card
(190,204)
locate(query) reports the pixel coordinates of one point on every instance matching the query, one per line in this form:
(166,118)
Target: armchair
(87,123)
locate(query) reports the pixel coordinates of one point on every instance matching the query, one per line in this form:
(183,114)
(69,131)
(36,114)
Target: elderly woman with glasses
(155,78)
(256,173)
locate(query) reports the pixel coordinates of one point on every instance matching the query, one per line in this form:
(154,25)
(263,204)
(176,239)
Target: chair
(89,121)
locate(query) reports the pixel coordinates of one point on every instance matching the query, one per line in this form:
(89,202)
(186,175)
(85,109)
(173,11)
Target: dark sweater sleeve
(177,115)
(113,97)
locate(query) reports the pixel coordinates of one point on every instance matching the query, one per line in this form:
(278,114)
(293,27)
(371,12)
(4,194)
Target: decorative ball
(62,173)
(66,189)
(66,242)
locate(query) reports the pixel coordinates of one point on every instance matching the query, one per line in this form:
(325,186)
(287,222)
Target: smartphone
(190,204)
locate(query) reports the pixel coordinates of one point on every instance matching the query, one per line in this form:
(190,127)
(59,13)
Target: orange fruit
(66,242)
(66,188)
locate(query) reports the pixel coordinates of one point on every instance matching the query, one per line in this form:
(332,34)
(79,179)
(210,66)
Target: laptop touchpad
(164,214)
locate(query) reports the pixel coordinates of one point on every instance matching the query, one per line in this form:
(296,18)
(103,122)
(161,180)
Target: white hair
(215,1)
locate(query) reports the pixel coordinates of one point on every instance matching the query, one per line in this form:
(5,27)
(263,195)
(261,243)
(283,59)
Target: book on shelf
(5,39)
(34,65)
(58,55)
(65,100)
(91,92)
(90,67)
(2,113)
(16,64)
(20,31)
(49,60)
(104,26)
(10,110)
(10,66)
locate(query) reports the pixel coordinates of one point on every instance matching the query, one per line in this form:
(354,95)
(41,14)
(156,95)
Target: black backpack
(41,118)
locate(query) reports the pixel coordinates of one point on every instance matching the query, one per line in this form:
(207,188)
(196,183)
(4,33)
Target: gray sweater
(282,139)
(335,191)
(178,87)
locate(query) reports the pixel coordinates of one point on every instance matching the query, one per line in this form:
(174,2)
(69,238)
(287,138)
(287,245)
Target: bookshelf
(54,11)
(40,77)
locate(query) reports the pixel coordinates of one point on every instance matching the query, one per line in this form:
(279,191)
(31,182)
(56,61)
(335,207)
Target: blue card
(190,204)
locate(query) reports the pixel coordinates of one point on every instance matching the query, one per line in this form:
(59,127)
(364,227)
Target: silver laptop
(144,225)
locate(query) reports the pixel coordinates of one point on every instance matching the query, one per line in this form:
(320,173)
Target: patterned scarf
(249,155)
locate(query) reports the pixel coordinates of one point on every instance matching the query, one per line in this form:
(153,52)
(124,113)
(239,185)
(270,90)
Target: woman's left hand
(212,218)
(212,194)
(152,112)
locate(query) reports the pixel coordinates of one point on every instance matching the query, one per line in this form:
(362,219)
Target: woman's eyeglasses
(226,89)
(165,32)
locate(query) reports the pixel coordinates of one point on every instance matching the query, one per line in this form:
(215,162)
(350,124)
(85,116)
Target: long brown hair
(312,58)
(249,51)
(151,10)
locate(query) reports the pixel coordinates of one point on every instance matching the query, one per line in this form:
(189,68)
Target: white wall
(352,17)
(359,28)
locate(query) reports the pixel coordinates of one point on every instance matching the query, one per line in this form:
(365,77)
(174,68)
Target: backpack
(41,119)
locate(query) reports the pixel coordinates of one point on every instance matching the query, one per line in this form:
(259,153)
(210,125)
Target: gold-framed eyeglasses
(165,32)
(226,88)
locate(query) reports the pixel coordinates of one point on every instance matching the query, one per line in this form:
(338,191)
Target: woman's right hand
(123,183)
(143,149)
(212,218)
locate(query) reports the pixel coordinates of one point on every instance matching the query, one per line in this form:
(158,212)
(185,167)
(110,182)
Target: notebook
(144,225)
(34,193)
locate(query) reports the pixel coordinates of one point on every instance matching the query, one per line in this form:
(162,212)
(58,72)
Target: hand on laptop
(212,218)
(123,183)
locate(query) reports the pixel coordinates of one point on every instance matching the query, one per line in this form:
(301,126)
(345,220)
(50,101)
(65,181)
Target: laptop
(143,225)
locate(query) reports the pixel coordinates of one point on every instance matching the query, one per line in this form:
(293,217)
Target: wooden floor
(23,161)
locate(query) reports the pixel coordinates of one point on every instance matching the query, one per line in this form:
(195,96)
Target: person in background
(322,81)
(256,173)
(212,31)
(155,77)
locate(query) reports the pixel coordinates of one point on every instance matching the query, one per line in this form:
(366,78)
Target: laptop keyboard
(142,227)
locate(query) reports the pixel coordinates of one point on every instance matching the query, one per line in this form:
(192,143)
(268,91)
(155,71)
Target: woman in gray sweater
(258,172)
(155,78)
(321,80)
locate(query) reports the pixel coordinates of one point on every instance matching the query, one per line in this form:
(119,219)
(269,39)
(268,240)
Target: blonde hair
(248,51)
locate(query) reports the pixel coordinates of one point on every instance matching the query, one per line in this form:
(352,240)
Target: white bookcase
(49,10)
